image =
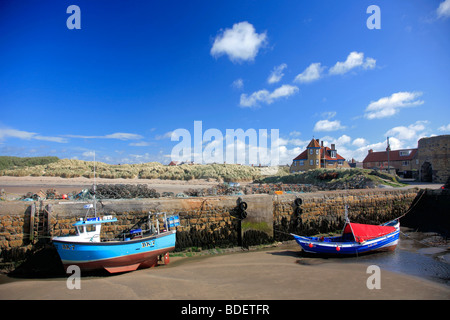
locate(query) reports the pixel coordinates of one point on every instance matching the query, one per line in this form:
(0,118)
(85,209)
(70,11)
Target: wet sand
(278,273)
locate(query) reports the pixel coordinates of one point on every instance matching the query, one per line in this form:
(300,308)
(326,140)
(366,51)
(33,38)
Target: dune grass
(67,168)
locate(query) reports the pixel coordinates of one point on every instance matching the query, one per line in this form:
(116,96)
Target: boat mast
(95,202)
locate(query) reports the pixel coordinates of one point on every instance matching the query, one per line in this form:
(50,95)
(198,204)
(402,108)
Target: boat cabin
(89,230)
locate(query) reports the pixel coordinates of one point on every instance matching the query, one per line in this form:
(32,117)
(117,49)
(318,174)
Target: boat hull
(116,256)
(314,246)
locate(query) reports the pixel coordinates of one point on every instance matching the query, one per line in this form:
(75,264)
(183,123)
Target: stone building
(433,158)
(317,156)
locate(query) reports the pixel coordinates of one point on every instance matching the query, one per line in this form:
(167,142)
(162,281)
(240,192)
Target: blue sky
(137,71)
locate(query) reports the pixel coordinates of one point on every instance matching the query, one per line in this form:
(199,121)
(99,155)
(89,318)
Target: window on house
(340,162)
(302,162)
(317,162)
(317,151)
(311,162)
(333,154)
(405,163)
(310,151)
(405,153)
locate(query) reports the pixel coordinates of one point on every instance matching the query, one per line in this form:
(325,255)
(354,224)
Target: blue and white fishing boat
(135,249)
(356,239)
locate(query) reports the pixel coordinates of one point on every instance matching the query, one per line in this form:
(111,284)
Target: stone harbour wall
(324,212)
(206,222)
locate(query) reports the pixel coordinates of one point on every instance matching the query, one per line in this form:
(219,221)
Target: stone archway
(426,172)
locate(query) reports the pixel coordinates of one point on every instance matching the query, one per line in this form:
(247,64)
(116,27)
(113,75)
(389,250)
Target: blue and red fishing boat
(356,239)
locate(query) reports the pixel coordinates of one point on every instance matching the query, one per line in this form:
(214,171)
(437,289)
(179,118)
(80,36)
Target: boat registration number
(68,246)
(148,244)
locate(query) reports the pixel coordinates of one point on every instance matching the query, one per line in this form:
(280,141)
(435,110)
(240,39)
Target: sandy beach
(277,273)
(17,186)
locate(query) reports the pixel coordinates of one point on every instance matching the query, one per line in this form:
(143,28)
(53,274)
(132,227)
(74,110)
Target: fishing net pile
(123,191)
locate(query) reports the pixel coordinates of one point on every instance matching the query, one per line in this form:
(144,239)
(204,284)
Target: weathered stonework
(434,159)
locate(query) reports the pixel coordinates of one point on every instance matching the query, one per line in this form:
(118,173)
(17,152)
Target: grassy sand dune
(65,168)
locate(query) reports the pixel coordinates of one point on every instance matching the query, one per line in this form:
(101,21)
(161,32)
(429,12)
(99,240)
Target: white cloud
(119,136)
(329,114)
(267,97)
(412,132)
(13,133)
(359,142)
(139,144)
(241,43)
(311,73)
(123,136)
(295,133)
(238,83)
(88,154)
(277,73)
(445,128)
(342,140)
(25,135)
(389,106)
(51,139)
(443,11)
(354,60)
(370,63)
(327,125)
(167,135)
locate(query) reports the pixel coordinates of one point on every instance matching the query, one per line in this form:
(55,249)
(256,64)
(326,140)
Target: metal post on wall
(32,213)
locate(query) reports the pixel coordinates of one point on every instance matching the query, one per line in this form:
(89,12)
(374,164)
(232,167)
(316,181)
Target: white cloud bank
(443,11)
(238,83)
(354,60)
(277,73)
(412,132)
(327,125)
(119,136)
(389,106)
(264,96)
(240,43)
(311,73)
(25,135)
(445,128)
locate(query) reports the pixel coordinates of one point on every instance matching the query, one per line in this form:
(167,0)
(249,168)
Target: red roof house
(318,156)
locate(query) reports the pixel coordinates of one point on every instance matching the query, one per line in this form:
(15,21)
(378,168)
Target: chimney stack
(333,146)
(370,151)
